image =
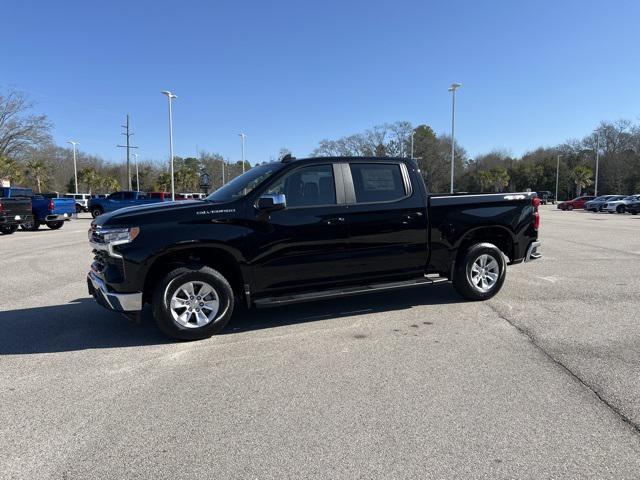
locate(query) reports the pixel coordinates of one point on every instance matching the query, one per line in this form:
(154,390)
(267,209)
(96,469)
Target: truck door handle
(335,221)
(410,217)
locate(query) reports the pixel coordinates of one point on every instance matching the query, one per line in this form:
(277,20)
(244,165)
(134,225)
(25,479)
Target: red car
(577,202)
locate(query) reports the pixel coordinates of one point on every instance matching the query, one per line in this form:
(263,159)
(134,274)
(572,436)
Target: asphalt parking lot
(540,382)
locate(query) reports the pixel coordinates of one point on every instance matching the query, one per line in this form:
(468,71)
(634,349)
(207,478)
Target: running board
(346,292)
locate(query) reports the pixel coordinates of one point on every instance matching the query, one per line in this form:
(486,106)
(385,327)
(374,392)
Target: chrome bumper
(120,302)
(56,217)
(532,252)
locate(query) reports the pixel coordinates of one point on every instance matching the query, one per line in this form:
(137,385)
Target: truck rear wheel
(96,212)
(8,229)
(193,303)
(481,272)
(55,225)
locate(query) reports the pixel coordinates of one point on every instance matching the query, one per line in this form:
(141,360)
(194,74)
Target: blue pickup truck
(51,211)
(116,200)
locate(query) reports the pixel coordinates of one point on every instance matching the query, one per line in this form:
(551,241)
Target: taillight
(51,205)
(535,203)
(1,208)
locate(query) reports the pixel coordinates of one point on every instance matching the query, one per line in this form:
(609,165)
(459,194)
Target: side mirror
(271,203)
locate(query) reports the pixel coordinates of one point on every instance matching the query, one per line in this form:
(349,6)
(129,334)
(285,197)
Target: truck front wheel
(96,212)
(481,272)
(192,303)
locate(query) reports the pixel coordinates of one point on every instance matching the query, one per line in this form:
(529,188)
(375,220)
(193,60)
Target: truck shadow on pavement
(82,324)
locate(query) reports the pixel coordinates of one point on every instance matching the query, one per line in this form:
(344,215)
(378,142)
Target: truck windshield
(245,183)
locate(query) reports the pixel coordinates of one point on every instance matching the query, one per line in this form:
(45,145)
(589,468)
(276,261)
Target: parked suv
(82,201)
(577,202)
(302,230)
(546,196)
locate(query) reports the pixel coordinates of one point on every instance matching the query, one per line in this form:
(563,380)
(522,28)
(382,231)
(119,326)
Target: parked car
(546,196)
(82,201)
(117,200)
(14,209)
(302,230)
(633,207)
(577,202)
(620,206)
(164,196)
(596,204)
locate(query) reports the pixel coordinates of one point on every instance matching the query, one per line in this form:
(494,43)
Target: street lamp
(557,176)
(242,136)
(413,132)
(135,155)
(597,161)
(75,165)
(170,97)
(452,89)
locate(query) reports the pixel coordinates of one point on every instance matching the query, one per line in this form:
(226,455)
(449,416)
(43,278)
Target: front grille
(111,269)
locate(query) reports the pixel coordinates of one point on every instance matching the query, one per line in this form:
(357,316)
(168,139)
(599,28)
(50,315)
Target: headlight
(107,238)
(119,235)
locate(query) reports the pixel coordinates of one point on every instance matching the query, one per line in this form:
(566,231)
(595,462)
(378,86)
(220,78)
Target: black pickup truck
(14,211)
(300,230)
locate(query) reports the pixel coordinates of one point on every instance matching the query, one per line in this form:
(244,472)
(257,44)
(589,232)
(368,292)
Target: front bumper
(119,302)
(14,219)
(532,252)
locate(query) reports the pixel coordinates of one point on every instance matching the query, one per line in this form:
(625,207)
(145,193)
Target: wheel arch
(216,257)
(497,235)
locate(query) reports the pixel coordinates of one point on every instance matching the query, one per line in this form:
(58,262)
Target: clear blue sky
(291,73)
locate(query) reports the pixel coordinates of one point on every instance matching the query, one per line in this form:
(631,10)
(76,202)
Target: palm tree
(38,171)
(91,178)
(10,170)
(581,176)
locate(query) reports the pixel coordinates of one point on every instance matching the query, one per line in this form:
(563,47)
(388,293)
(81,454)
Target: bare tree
(19,130)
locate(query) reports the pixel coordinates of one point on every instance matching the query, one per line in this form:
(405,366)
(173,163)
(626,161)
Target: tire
(174,286)
(79,208)
(96,212)
(55,225)
(569,207)
(8,229)
(464,280)
(620,209)
(634,213)
(31,226)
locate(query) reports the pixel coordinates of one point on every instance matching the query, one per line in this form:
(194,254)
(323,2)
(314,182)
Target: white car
(82,201)
(620,206)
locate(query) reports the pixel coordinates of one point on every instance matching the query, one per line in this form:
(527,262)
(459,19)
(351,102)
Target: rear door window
(377,182)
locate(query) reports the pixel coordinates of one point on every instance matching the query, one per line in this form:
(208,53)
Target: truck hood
(138,214)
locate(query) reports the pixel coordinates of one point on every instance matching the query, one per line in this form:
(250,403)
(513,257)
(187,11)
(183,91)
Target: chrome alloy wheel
(484,273)
(194,304)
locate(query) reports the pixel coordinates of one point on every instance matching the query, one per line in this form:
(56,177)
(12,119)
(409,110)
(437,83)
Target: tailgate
(63,205)
(16,206)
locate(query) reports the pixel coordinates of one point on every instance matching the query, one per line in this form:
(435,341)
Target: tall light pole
(557,176)
(135,155)
(597,161)
(170,97)
(452,89)
(242,136)
(75,165)
(413,132)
